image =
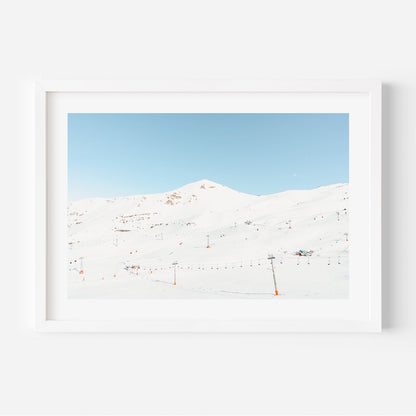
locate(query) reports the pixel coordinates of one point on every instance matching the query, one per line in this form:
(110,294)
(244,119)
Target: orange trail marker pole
(174,272)
(208,241)
(271,258)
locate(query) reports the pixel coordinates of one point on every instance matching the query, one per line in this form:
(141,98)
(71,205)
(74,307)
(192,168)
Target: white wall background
(182,374)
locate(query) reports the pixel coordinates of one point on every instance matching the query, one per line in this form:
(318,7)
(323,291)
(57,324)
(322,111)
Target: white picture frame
(290,318)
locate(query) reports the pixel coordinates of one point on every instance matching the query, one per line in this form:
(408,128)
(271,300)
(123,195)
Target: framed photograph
(209,206)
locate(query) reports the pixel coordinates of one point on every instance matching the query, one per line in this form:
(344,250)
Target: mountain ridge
(204,184)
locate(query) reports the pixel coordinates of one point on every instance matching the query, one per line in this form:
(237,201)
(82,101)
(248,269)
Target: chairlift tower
(271,258)
(175,263)
(81,270)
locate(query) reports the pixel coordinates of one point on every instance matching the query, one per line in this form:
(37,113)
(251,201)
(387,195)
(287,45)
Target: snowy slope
(126,247)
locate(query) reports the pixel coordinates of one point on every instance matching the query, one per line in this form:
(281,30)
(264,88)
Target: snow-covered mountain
(220,238)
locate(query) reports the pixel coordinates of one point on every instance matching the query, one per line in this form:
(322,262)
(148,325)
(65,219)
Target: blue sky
(126,154)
